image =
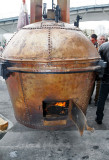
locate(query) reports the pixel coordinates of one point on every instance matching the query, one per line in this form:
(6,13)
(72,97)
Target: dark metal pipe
(0,69)
(52,3)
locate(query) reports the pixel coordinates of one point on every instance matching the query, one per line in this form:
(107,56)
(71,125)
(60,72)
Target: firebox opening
(55,108)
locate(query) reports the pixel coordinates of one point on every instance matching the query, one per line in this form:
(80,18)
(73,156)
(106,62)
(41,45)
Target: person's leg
(92,93)
(97,91)
(104,89)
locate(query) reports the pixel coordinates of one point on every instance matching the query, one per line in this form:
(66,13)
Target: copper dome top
(49,41)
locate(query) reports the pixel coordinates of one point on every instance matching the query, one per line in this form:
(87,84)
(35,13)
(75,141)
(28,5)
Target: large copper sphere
(51,63)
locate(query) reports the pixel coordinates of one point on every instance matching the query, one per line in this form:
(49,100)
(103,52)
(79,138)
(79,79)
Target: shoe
(98,121)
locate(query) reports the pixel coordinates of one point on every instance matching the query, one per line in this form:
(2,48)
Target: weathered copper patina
(50,69)
(50,62)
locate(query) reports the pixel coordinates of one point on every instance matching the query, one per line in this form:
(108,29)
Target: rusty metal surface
(53,67)
(65,10)
(51,41)
(35,11)
(28,91)
(44,56)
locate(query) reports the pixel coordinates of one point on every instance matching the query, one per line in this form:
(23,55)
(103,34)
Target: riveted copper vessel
(50,62)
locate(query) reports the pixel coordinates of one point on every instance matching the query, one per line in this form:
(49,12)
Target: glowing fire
(60,104)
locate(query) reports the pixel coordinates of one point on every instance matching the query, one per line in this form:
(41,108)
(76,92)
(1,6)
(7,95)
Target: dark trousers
(97,90)
(104,90)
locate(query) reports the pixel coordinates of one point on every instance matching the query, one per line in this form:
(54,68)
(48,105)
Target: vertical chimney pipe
(65,10)
(35,11)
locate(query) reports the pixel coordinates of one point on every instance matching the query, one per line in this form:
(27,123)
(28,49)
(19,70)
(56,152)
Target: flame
(62,104)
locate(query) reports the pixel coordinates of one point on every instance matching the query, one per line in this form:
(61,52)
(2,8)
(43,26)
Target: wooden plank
(3,124)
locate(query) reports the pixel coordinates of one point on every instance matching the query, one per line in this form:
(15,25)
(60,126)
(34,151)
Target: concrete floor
(22,143)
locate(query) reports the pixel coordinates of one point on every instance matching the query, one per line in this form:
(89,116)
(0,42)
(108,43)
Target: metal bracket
(76,23)
(103,65)
(3,69)
(44,10)
(78,117)
(57,14)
